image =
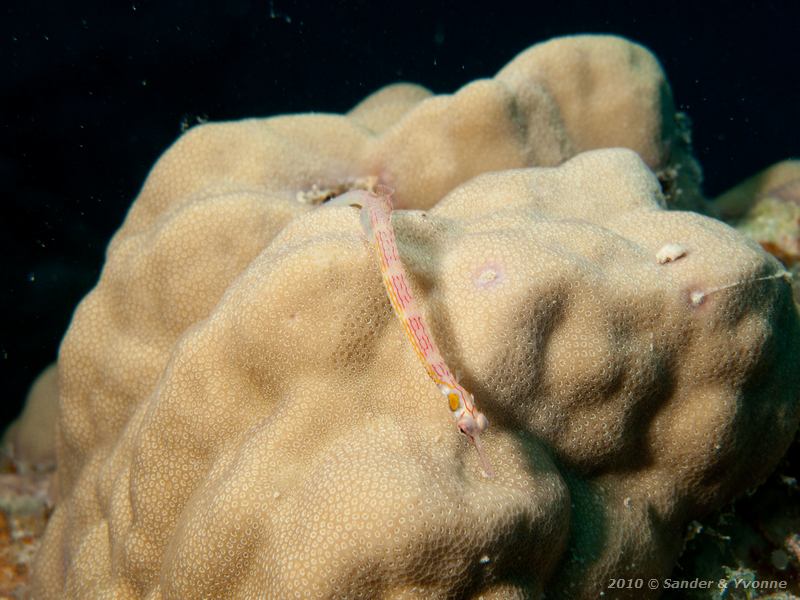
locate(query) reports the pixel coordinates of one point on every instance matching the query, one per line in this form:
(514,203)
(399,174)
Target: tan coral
(766,207)
(30,440)
(780,181)
(241,415)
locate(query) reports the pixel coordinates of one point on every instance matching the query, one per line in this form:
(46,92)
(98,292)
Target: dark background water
(93,92)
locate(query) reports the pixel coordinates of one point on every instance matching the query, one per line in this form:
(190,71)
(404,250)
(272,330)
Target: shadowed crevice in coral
(587,542)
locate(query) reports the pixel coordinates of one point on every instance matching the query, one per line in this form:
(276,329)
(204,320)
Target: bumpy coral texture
(241,415)
(29,440)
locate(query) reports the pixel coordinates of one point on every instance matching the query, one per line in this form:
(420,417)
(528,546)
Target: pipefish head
(469,420)
(472,424)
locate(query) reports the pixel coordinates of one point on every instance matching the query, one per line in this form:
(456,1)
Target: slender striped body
(376,211)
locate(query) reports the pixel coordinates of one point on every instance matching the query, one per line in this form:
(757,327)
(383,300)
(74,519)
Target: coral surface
(766,207)
(241,415)
(29,440)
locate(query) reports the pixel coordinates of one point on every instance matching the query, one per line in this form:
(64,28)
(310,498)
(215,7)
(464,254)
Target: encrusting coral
(241,415)
(766,207)
(29,440)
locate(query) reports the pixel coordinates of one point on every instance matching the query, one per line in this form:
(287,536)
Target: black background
(93,92)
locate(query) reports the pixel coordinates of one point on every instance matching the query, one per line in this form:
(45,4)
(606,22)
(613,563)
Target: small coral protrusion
(670,253)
